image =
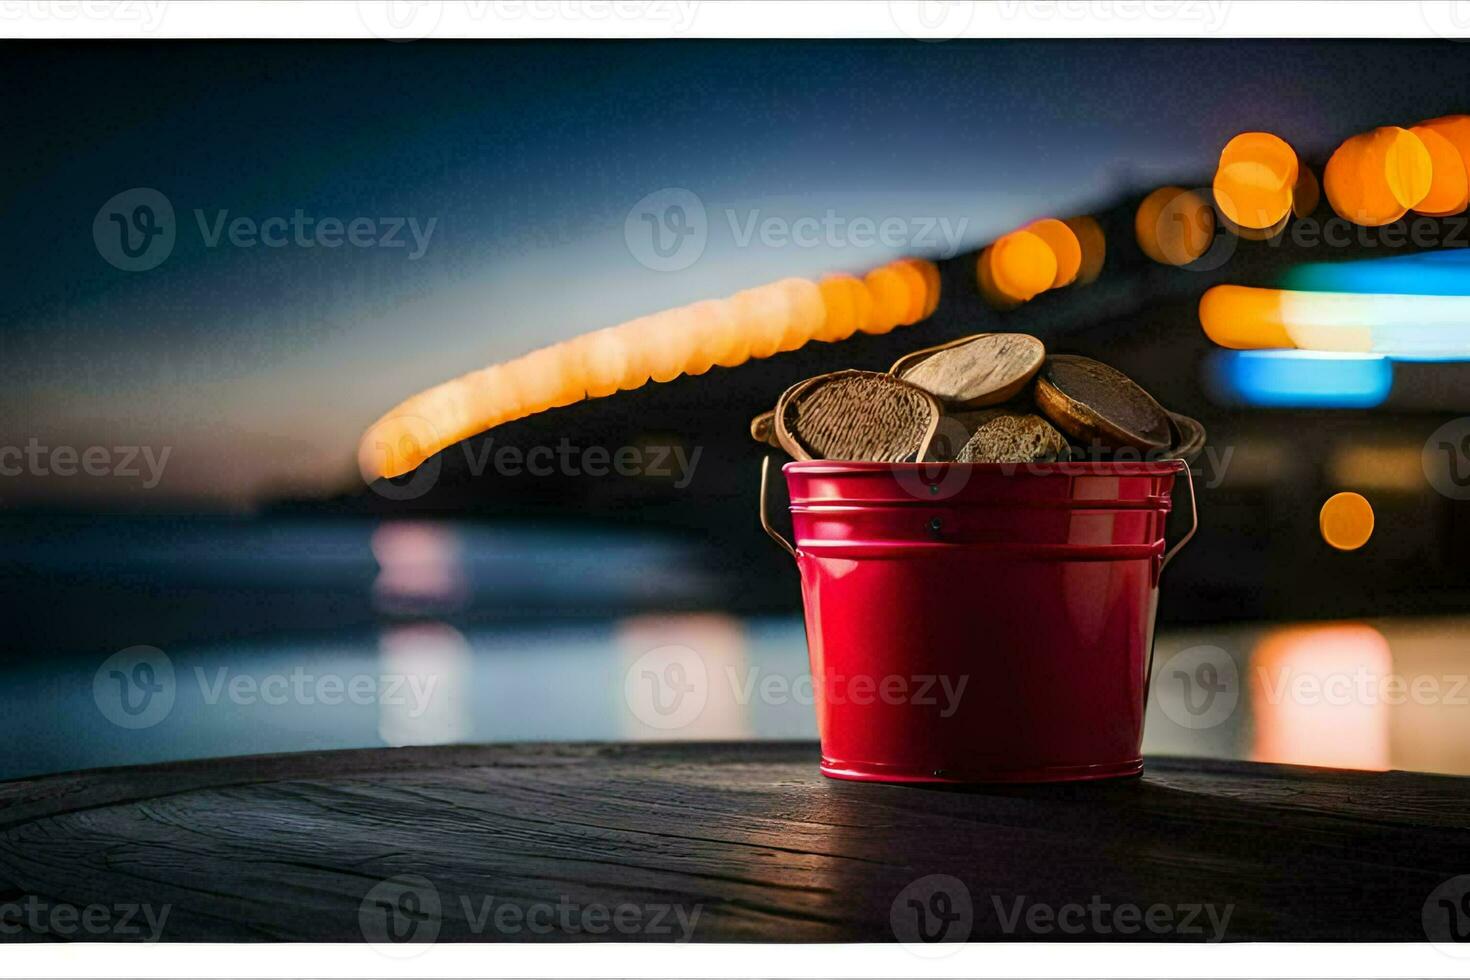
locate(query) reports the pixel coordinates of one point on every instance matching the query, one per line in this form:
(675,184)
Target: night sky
(260,366)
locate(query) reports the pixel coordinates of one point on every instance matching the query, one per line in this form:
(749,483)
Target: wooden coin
(973,372)
(1094,403)
(763,428)
(1189,437)
(856,415)
(1013,437)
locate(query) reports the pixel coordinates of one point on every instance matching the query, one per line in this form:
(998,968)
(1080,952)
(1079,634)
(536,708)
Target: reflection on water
(1388,694)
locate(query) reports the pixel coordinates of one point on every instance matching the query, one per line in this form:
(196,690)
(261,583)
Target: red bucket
(979,623)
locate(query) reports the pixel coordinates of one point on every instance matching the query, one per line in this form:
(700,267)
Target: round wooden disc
(1092,402)
(856,416)
(976,371)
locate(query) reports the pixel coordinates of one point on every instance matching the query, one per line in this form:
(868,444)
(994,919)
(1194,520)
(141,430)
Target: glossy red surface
(979,623)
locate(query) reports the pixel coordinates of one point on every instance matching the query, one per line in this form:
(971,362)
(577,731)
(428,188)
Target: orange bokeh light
(1255,180)
(1094,245)
(1317,697)
(1022,265)
(1174,226)
(1064,247)
(1346,521)
(1449,190)
(890,294)
(1375,178)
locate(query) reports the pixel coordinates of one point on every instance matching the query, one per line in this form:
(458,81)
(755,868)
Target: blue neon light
(1298,379)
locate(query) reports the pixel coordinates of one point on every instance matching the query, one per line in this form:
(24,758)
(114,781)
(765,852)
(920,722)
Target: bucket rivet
(933,488)
(935,524)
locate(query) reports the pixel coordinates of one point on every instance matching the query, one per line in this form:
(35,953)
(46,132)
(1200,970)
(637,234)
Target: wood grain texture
(974,372)
(750,836)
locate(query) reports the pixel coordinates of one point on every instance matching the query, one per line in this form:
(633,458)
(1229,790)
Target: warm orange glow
(929,272)
(1449,191)
(1375,178)
(1255,180)
(890,300)
(1267,149)
(985,282)
(1064,247)
(1243,317)
(918,291)
(1307,194)
(840,321)
(758,322)
(1456,129)
(1094,245)
(1022,265)
(1318,697)
(1346,521)
(1174,226)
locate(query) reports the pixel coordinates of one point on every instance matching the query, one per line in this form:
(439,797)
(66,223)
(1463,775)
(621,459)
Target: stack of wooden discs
(989,398)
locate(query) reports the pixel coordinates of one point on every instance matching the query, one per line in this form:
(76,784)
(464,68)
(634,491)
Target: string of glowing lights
(753,323)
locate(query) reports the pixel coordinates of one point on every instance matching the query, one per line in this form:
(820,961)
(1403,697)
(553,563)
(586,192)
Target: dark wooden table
(721,843)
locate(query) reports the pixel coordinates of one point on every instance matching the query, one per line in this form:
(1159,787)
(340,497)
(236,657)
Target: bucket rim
(830,467)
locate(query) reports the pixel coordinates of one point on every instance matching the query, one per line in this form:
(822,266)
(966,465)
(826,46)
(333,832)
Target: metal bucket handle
(765,517)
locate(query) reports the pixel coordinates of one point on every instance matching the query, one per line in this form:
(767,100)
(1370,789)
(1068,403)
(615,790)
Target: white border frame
(932,20)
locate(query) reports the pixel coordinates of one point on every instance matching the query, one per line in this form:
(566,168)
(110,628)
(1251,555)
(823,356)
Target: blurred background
(191,565)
